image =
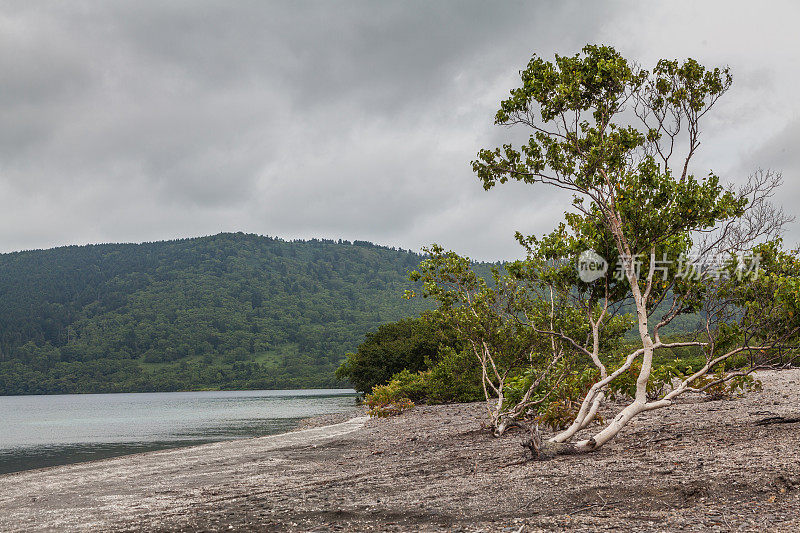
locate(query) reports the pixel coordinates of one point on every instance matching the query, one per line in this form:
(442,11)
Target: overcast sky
(137,121)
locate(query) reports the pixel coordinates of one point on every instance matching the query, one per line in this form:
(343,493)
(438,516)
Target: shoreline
(330,418)
(181,391)
(109,494)
(698,465)
(310,422)
(96,438)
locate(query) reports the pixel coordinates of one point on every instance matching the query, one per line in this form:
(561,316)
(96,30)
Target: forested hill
(226,311)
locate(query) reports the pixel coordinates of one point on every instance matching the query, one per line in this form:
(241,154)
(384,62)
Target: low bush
(557,400)
(725,390)
(409,344)
(382,410)
(661,378)
(665,373)
(455,378)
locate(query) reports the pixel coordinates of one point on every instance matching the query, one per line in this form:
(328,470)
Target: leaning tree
(622,140)
(522,369)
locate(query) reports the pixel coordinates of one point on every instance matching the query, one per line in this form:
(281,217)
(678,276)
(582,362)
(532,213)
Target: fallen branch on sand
(777,420)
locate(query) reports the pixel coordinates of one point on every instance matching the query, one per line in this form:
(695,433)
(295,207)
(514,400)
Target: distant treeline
(231,311)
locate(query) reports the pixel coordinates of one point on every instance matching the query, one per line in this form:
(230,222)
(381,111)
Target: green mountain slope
(226,311)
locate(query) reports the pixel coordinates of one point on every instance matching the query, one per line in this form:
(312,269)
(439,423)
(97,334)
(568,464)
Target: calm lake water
(39,431)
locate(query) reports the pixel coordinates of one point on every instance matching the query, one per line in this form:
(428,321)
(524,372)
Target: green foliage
(396,396)
(404,384)
(454,378)
(411,344)
(558,398)
(770,302)
(230,311)
(661,379)
(665,372)
(719,388)
(608,132)
(628,200)
(490,317)
(383,410)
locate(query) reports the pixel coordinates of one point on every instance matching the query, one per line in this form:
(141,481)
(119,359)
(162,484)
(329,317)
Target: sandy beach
(696,466)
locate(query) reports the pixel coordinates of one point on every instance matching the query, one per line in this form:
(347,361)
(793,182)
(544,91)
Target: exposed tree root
(545,449)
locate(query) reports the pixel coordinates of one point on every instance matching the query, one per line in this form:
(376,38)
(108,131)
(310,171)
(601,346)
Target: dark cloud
(148,120)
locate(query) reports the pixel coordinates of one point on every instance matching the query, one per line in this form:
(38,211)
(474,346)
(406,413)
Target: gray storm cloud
(133,121)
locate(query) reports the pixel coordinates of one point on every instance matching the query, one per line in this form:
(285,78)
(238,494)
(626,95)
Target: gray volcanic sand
(696,466)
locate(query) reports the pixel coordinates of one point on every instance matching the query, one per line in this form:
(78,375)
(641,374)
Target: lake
(39,431)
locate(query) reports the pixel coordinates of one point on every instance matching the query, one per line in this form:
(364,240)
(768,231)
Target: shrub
(455,378)
(409,344)
(727,389)
(558,399)
(660,382)
(382,410)
(664,374)
(396,396)
(404,384)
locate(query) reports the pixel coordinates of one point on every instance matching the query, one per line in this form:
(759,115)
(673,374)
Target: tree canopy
(409,344)
(622,139)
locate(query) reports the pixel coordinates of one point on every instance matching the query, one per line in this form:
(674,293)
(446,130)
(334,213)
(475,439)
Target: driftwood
(777,420)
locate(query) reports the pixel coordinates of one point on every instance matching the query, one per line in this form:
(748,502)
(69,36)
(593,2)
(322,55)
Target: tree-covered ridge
(225,311)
